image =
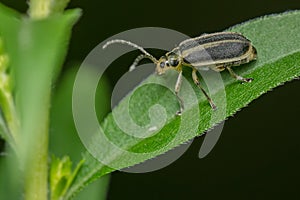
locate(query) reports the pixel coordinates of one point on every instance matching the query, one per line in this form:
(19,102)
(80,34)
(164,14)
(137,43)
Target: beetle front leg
(240,78)
(196,81)
(177,89)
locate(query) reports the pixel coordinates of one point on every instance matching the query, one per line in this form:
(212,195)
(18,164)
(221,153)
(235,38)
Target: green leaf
(277,40)
(62,127)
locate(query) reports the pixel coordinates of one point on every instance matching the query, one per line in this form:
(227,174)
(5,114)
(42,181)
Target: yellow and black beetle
(216,51)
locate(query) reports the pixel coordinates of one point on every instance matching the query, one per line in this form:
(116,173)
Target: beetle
(216,51)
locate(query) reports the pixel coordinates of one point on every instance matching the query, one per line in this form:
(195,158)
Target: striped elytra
(210,50)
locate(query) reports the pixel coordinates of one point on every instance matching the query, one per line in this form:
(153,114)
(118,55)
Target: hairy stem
(36,152)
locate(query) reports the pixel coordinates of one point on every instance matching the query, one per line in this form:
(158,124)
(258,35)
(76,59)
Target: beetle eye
(162,64)
(174,62)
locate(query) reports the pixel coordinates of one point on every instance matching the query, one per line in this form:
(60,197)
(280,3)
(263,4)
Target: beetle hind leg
(196,81)
(177,88)
(240,78)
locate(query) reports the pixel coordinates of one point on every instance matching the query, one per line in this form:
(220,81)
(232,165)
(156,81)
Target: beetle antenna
(139,58)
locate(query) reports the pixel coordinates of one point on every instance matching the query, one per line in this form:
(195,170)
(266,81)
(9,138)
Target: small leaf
(41,9)
(277,40)
(8,121)
(4,133)
(59,6)
(61,176)
(3,65)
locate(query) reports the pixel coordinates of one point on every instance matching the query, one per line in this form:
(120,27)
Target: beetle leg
(240,78)
(177,88)
(196,81)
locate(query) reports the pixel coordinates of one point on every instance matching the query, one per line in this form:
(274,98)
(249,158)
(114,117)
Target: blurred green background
(257,155)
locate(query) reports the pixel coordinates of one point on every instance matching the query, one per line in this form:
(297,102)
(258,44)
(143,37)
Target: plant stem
(36,164)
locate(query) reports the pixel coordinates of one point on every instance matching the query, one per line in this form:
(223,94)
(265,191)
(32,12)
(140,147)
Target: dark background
(258,154)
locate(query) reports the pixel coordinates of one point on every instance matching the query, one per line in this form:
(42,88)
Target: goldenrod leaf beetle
(216,51)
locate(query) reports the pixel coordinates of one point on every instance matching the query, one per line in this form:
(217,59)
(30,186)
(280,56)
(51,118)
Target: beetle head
(169,61)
